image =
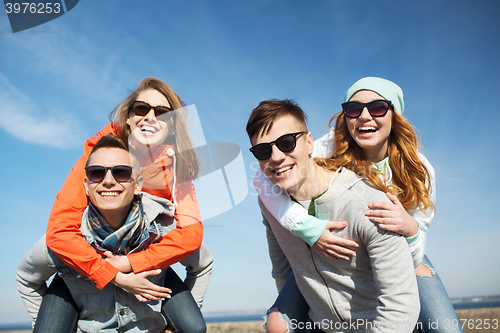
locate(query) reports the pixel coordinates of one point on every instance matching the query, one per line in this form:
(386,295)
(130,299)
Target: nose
(109,179)
(150,116)
(365,114)
(276,154)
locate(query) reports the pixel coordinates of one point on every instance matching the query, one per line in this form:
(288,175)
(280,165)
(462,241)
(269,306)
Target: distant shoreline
(469,312)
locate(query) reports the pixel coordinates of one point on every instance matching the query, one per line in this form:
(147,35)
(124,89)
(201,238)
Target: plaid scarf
(120,241)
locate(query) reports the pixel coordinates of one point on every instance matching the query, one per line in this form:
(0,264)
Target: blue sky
(59,81)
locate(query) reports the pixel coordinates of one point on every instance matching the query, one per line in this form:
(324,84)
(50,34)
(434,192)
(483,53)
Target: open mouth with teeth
(148,130)
(283,170)
(367,129)
(109,194)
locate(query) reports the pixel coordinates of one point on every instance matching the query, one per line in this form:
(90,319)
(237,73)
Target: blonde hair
(409,173)
(187,163)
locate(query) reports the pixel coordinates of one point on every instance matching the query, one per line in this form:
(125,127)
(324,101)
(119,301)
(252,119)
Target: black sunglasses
(141,109)
(121,173)
(376,108)
(286,143)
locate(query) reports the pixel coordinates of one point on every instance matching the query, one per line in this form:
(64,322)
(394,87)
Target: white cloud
(20,116)
(71,63)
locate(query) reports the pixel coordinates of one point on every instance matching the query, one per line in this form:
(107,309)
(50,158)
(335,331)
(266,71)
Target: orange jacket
(65,239)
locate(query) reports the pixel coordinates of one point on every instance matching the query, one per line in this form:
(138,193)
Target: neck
(148,154)
(315,183)
(116,218)
(377,154)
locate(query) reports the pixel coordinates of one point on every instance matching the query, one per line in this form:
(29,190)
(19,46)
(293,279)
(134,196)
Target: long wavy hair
(409,173)
(187,162)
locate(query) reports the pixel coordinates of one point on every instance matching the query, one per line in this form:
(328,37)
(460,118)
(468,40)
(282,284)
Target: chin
(147,140)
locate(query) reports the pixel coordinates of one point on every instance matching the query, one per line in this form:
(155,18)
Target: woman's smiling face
(370,133)
(150,130)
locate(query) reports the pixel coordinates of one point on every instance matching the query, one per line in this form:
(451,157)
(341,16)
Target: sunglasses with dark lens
(141,109)
(286,143)
(96,173)
(376,108)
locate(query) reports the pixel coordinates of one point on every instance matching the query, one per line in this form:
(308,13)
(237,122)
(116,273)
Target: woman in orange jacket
(152,119)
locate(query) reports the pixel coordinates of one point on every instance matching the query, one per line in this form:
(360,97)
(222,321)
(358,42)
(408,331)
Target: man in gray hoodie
(119,219)
(375,290)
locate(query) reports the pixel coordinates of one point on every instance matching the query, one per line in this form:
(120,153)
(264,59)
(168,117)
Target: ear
(86,185)
(138,185)
(310,143)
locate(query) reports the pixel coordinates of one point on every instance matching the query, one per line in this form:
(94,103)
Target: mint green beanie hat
(385,88)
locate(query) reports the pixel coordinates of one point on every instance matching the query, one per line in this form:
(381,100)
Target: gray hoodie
(37,265)
(376,289)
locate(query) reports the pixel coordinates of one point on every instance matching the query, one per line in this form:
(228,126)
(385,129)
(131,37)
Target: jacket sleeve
(31,274)
(179,243)
(63,234)
(324,146)
(198,270)
(424,219)
(278,202)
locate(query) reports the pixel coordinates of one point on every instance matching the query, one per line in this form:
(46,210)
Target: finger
(149,273)
(328,255)
(335,224)
(381,205)
(108,254)
(338,255)
(331,257)
(335,240)
(152,288)
(342,251)
(392,197)
(389,227)
(154,298)
(382,220)
(344,244)
(140,298)
(379,213)
(159,289)
(154,295)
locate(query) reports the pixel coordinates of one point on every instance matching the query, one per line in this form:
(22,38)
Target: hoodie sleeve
(281,268)
(198,270)
(31,276)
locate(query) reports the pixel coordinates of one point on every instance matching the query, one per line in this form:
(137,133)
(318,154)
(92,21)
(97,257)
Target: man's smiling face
(109,195)
(289,170)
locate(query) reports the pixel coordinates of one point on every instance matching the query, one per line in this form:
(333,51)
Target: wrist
(117,280)
(128,267)
(413,238)
(412,229)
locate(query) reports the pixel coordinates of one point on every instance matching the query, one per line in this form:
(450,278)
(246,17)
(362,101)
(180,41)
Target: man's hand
(392,216)
(332,246)
(120,262)
(138,284)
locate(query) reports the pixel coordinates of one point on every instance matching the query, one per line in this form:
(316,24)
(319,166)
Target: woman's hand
(392,216)
(120,262)
(332,246)
(143,289)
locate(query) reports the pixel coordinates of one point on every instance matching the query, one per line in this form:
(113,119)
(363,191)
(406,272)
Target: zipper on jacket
(327,288)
